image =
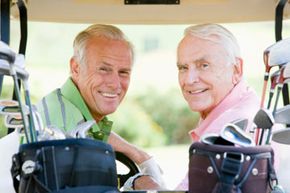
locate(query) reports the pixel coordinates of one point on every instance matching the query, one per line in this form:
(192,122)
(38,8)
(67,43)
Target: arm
(151,178)
(130,150)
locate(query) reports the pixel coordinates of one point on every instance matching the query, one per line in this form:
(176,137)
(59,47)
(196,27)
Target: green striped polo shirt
(65,108)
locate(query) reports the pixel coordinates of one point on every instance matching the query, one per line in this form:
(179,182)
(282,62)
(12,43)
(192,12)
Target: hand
(146,183)
(141,182)
(151,168)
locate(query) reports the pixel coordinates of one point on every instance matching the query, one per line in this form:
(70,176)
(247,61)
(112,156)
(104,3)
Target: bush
(136,126)
(170,111)
(155,119)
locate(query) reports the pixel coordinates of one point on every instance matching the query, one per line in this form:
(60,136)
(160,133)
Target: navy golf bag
(62,166)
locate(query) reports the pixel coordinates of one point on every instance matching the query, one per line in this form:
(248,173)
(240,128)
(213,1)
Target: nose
(191,76)
(113,81)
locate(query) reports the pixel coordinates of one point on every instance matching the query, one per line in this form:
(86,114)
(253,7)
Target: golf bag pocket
(231,169)
(71,165)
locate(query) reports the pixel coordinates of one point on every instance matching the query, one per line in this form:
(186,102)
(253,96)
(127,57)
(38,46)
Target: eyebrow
(199,60)
(106,63)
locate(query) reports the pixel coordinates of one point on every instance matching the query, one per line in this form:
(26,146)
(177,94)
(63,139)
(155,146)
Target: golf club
(13,60)
(282,136)
(81,130)
(279,53)
(284,78)
(50,133)
(236,135)
(13,121)
(282,115)
(274,81)
(5,70)
(241,123)
(214,139)
(11,107)
(275,55)
(263,120)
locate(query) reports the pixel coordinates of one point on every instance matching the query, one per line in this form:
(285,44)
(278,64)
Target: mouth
(197,91)
(109,94)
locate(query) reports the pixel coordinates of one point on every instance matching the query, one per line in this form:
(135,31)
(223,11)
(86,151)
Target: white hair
(218,34)
(97,30)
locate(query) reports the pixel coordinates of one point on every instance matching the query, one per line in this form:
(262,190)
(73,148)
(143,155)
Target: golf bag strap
(15,171)
(231,167)
(272,174)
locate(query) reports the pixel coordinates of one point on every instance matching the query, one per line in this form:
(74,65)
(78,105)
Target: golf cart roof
(138,12)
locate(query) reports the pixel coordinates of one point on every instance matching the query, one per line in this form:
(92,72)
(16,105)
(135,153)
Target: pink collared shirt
(241,103)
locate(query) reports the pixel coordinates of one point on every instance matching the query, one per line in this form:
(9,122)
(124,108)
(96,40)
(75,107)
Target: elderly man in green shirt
(100,72)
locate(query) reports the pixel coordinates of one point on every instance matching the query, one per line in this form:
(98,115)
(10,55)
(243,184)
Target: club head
(286,72)
(279,53)
(20,72)
(13,121)
(38,123)
(274,80)
(81,130)
(10,107)
(236,135)
(50,133)
(282,115)
(7,53)
(241,123)
(284,76)
(264,119)
(282,136)
(214,139)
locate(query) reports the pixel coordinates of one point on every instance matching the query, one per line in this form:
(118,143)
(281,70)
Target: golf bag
(62,166)
(230,169)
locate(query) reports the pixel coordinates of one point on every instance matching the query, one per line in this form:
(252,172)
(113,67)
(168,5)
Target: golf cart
(146,12)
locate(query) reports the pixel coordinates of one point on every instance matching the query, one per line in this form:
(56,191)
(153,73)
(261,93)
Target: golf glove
(148,168)
(151,168)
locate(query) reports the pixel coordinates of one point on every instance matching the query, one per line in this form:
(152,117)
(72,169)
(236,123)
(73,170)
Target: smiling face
(205,73)
(104,78)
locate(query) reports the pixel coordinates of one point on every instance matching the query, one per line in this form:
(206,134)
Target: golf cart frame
(188,16)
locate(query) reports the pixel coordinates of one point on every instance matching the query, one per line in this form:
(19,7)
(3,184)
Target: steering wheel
(133,169)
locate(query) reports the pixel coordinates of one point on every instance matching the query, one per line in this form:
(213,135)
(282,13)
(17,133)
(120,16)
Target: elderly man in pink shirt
(211,79)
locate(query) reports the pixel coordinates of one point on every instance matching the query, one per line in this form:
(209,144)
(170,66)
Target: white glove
(151,168)
(128,185)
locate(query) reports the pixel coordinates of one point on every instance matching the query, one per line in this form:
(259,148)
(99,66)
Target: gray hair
(97,30)
(218,34)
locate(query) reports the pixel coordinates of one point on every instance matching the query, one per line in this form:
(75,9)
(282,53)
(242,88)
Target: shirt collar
(232,98)
(100,130)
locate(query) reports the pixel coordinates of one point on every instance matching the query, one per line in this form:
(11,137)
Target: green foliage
(136,126)
(3,128)
(170,111)
(153,118)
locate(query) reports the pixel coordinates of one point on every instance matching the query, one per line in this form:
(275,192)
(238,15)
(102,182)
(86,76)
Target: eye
(182,68)
(204,66)
(125,73)
(103,69)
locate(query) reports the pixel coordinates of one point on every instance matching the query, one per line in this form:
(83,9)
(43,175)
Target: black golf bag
(230,169)
(62,166)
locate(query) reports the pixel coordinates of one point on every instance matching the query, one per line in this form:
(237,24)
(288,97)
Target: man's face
(103,81)
(205,74)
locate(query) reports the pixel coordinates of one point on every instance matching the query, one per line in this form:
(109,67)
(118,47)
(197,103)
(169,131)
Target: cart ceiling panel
(117,12)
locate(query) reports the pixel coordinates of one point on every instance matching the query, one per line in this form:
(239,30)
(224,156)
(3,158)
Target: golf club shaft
(274,110)
(17,92)
(28,103)
(266,77)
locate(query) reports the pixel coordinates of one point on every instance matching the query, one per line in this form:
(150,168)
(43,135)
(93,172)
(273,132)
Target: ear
(74,68)
(237,71)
